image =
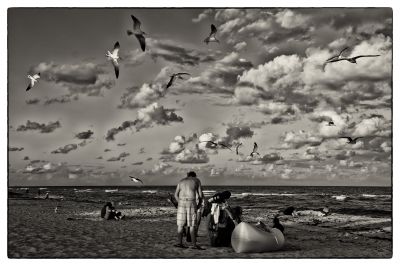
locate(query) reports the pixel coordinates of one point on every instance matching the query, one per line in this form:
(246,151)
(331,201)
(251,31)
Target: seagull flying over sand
(138,32)
(175,75)
(339,56)
(214,144)
(255,149)
(237,148)
(351,59)
(136,180)
(33,79)
(351,140)
(211,37)
(114,58)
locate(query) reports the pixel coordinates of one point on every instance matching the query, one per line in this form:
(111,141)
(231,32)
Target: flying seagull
(175,75)
(136,180)
(350,140)
(214,144)
(255,149)
(33,79)
(114,58)
(351,59)
(331,123)
(211,37)
(237,148)
(339,56)
(138,32)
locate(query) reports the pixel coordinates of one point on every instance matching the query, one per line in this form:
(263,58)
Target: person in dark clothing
(108,212)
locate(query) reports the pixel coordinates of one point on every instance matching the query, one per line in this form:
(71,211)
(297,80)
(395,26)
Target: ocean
(375,202)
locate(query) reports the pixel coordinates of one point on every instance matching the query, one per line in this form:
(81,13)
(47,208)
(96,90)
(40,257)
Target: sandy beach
(77,231)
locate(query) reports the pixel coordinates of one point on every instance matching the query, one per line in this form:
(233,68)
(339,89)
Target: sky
(266,81)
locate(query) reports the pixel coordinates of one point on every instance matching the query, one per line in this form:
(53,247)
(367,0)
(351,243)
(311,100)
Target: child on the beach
(108,212)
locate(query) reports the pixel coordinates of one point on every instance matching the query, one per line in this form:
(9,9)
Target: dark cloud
(99,157)
(137,163)
(175,53)
(234,133)
(147,117)
(86,78)
(15,149)
(84,134)
(107,150)
(121,144)
(43,128)
(120,157)
(32,101)
(26,158)
(149,159)
(66,149)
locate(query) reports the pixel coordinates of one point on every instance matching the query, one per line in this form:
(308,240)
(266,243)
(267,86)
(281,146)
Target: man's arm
(176,195)
(201,195)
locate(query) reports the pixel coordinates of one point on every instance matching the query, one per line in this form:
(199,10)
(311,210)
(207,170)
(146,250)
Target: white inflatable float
(247,238)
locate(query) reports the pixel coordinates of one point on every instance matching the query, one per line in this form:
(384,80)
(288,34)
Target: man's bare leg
(180,234)
(193,235)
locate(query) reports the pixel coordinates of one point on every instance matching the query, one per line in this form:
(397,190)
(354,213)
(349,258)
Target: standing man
(187,190)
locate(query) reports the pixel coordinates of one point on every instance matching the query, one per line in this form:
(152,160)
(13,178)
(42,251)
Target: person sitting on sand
(187,190)
(108,212)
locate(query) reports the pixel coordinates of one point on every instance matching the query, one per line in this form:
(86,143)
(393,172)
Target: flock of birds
(140,36)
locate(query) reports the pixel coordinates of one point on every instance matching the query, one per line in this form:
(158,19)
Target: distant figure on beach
(46,196)
(27,190)
(108,212)
(187,190)
(38,192)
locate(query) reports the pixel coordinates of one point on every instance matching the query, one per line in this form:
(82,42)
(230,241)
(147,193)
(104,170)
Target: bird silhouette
(136,180)
(113,56)
(175,75)
(33,79)
(255,149)
(211,37)
(237,148)
(138,32)
(351,140)
(214,144)
(350,59)
(339,56)
(331,123)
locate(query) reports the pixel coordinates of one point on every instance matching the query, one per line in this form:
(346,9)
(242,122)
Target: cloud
(222,76)
(240,46)
(234,133)
(137,163)
(295,140)
(289,19)
(85,78)
(32,101)
(202,16)
(62,99)
(119,157)
(15,149)
(194,155)
(148,116)
(84,134)
(66,149)
(174,52)
(374,126)
(145,95)
(43,128)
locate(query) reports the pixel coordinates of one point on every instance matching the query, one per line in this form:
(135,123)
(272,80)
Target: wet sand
(36,231)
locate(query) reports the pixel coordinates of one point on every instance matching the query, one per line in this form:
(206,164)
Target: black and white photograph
(199,133)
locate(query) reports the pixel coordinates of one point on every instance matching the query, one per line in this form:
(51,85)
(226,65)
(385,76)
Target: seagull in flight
(350,140)
(214,144)
(237,148)
(136,180)
(351,59)
(211,37)
(175,75)
(138,32)
(331,123)
(339,56)
(255,149)
(33,79)
(113,56)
